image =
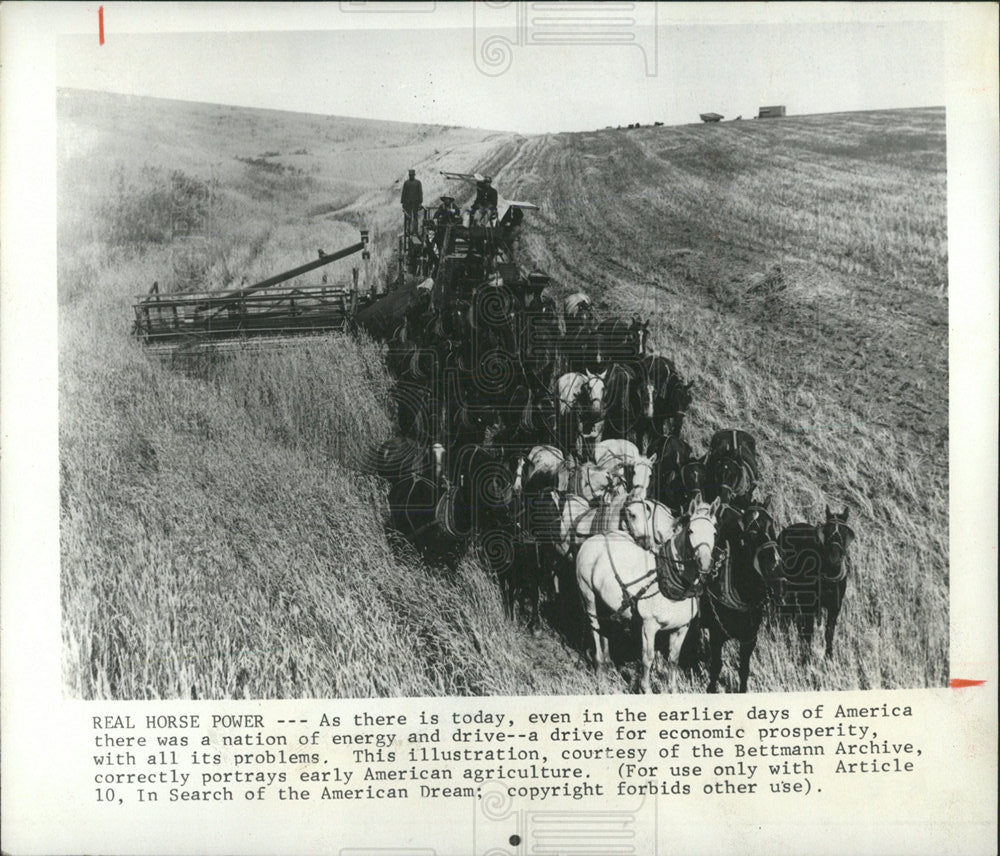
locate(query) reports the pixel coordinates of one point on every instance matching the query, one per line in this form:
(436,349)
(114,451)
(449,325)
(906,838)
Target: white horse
(584,388)
(623,575)
(546,468)
(618,456)
(580,408)
(650,523)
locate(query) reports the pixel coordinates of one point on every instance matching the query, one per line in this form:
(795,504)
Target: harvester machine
(270,307)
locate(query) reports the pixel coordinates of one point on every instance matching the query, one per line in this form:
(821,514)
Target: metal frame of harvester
(270,307)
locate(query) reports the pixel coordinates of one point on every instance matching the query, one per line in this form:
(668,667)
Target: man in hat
(412,198)
(485,206)
(447,213)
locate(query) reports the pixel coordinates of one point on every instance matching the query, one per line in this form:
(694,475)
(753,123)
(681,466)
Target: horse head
(593,481)
(647,390)
(674,453)
(639,334)
(517,487)
(729,522)
(592,391)
(700,530)
(641,476)
(727,478)
(488,485)
(694,477)
(650,523)
(677,400)
(835,536)
(523,400)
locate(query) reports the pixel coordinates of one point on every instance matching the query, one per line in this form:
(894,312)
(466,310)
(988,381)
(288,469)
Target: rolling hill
(217,538)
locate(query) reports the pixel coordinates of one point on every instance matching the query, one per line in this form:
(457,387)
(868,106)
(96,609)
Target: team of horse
(553,443)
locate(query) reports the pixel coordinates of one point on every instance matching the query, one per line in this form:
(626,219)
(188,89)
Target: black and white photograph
(385,373)
(519,352)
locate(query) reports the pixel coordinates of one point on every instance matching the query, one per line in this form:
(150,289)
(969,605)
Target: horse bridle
(588,388)
(650,511)
(695,587)
(770,543)
(837,525)
(728,597)
(710,519)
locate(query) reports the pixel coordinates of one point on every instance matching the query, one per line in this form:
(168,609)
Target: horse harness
(674,575)
(837,526)
(728,596)
(679,591)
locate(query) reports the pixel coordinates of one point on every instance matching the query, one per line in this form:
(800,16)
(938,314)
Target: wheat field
(219,538)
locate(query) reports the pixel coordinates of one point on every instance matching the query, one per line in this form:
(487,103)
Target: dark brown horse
(666,399)
(622,402)
(542,344)
(414,498)
(580,344)
(668,484)
(732,466)
(814,558)
(620,341)
(751,576)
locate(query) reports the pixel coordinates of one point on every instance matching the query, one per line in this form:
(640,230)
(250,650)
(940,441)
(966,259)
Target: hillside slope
(217,539)
(797,270)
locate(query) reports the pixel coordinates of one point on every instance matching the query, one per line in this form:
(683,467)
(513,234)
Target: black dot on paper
(514,840)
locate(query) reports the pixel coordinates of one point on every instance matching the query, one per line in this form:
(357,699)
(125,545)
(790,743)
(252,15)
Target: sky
(527,67)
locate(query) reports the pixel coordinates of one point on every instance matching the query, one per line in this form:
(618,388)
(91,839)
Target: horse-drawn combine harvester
(547,438)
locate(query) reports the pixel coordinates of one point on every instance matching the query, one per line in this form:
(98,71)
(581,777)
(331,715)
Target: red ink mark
(961,683)
(100,24)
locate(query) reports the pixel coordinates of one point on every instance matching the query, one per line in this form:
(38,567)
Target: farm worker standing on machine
(412,198)
(446,214)
(484,209)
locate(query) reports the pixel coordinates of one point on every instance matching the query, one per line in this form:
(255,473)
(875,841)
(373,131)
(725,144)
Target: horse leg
(605,651)
(715,642)
(747,647)
(645,437)
(530,588)
(832,613)
(649,629)
(675,642)
(590,607)
(555,564)
(804,623)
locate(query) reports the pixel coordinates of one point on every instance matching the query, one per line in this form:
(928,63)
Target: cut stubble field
(219,538)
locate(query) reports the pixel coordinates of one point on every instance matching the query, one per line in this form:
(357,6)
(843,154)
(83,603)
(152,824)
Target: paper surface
(509,69)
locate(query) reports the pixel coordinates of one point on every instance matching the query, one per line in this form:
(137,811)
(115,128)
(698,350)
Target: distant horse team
(552,442)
